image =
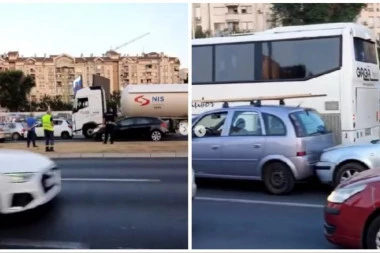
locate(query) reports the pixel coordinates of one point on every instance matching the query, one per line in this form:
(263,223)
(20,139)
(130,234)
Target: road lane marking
(252,201)
(124,180)
(24,243)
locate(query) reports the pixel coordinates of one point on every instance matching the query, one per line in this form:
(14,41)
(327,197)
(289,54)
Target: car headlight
(342,194)
(20,177)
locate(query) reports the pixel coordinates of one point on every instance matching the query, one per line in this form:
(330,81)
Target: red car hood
(365,177)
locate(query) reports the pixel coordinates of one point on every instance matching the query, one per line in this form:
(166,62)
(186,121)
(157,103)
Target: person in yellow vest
(48,126)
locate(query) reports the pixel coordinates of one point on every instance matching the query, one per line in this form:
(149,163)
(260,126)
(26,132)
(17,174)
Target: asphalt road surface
(108,203)
(80,138)
(241,215)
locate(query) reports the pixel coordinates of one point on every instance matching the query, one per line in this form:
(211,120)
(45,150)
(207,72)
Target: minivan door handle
(215,147)
(256,145)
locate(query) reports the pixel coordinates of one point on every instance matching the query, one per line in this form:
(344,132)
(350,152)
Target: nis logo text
(143,101)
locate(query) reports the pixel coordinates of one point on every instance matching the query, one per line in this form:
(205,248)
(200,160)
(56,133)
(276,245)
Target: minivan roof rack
(256,101)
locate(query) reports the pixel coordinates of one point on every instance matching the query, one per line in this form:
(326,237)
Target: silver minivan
(276,144)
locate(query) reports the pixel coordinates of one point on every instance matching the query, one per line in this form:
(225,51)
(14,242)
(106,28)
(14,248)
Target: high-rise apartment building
(217,18)
(55,74)
(370,17)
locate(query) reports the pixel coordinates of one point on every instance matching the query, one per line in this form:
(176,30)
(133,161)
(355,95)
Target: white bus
(339,60)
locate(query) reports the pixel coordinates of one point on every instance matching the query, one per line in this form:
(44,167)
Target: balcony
(232,4)
(232,17)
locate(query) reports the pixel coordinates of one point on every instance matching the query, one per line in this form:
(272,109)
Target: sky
(86,28)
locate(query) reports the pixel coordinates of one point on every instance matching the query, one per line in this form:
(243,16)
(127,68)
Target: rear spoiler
(256,101)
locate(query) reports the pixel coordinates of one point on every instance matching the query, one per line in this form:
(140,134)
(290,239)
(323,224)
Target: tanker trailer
(166,101)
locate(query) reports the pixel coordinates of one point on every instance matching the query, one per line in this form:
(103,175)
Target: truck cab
(88,110)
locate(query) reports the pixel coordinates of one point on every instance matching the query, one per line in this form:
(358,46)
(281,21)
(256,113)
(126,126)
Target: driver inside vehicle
(239,128)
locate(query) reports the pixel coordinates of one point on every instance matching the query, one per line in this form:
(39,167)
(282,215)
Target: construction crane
(126,43)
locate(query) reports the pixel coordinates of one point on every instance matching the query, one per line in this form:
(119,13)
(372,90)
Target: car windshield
(308,123)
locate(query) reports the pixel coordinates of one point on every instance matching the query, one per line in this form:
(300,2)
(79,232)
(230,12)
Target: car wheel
(65,135)
(278,178)
(16,136)
(156,135)
(372,236)
(346,171)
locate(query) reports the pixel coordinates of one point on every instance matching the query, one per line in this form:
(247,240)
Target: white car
(194,192)
(62,129)
(27,180)
(16,129)
(5,134)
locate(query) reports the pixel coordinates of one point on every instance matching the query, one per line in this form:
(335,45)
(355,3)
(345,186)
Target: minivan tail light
(302,153)
(164,125)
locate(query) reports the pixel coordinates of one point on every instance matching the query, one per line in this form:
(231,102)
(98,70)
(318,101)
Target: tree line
(286,14)
(15,88)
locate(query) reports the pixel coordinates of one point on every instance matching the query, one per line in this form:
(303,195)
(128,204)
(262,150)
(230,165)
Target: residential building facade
(184,75)
(55,74)
(217,18)
(370,17)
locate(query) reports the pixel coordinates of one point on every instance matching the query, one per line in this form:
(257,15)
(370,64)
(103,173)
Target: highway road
(241,215)
(79,138)
(108,203)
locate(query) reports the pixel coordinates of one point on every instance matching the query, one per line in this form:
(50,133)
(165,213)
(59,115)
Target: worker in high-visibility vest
(48,126)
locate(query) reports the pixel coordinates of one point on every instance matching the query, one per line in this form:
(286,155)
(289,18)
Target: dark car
(137,127)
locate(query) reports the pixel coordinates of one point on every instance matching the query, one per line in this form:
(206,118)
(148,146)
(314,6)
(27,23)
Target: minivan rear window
(308,123)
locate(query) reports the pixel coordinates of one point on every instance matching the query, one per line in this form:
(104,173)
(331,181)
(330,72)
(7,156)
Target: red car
(352,212)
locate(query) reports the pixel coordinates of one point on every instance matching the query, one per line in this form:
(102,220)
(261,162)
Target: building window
(247,26)
(246,9)
(233,26)
(219,26)
(219,11)
(232,10)
(198,13)
(59,84)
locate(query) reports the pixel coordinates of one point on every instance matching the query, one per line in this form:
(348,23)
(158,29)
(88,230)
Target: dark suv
(136,127)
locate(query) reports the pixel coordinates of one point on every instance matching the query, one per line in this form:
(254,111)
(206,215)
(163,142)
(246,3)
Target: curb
(119,155)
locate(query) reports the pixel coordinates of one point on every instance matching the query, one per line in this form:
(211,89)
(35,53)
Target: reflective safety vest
(46,122)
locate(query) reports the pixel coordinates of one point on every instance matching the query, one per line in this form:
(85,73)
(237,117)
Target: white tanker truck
(167,101)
